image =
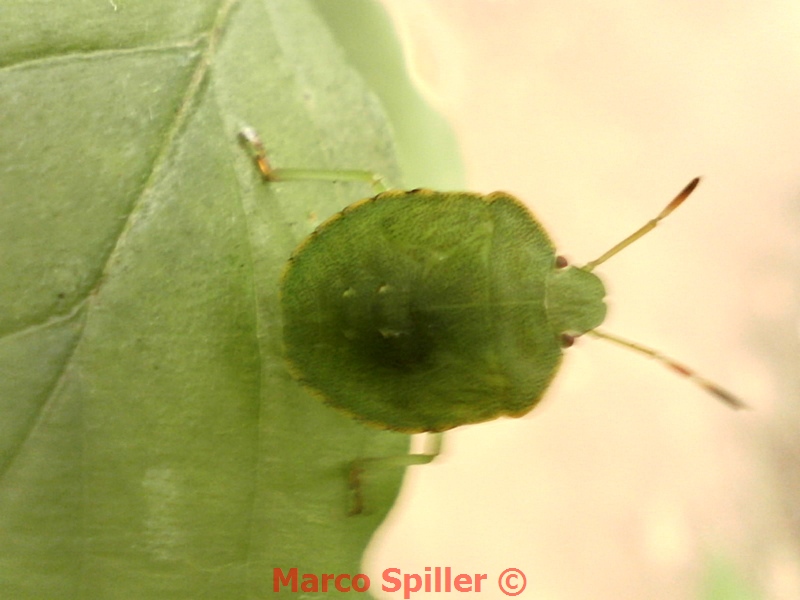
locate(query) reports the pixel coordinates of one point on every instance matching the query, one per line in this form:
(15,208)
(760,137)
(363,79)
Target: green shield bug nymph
(420,310)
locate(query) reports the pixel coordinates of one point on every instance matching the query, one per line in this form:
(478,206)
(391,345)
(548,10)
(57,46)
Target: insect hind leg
(362,466)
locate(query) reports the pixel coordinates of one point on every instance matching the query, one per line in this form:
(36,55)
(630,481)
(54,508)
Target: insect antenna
(709,386)
(649,226)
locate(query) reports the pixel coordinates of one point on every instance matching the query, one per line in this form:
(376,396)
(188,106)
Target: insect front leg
(362,466)
(251,140)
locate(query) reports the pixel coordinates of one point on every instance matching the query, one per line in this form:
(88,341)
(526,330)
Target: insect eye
(561,262)
(567,340)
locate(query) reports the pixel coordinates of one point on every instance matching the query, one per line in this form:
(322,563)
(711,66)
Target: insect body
(420,311)
(426,310)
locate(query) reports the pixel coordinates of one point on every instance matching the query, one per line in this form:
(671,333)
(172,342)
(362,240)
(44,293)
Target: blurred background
(629,482)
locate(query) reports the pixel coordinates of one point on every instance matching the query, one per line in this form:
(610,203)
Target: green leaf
(723,581)
(427,148)
(152,443)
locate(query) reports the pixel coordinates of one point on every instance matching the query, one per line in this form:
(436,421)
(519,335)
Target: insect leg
(255,147)
(709,386)
(375,180)
(433,447)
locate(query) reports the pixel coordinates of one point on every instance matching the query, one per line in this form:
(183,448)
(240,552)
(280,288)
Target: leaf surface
(152,443)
